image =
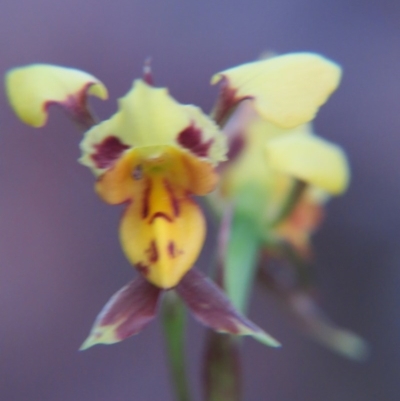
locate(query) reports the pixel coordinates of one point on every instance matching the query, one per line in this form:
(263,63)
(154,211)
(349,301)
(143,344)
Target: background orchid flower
(153,155)
(277,179)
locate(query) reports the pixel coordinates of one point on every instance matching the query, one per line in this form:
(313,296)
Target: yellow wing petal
(287,90)
(31,89)
(311,159)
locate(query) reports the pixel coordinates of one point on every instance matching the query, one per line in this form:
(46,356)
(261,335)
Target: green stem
(174,320)
(222,373)
(241,260)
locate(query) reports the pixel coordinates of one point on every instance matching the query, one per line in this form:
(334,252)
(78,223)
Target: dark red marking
(108,151)
(161,215)
(236,145)
(146,197)
(152,252)
(76,103)
(191,138)
(171,249)
(226,102)
(174,201)
(76,107)
(144,269)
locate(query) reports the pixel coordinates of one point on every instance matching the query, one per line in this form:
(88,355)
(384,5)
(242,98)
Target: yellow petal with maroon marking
(162,229)
(31,89)
(118,184)
(162,232)
(125,178)
(287,90)
(149,117)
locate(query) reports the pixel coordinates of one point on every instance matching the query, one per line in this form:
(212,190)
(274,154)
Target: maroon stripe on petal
(173,199)
(211,307)
(146,200)
(161,215)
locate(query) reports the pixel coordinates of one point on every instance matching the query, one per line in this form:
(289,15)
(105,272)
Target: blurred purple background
(60,258)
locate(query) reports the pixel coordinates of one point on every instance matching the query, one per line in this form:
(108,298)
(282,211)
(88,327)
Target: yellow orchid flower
(273,188)
(153,155)
(267,107)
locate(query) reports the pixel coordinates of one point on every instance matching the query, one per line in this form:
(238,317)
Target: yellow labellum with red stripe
(163,229)
(154,154)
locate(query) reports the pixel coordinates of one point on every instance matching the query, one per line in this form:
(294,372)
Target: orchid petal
(33,88)
(311,159)
(162,232)
(287,90)
(150,117)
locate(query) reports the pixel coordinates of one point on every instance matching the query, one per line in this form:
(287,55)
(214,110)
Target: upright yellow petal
(311,159)
(33,88)
(150,117)
(287,90)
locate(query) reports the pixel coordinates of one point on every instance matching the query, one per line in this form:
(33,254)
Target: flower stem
(221,369)
(174,319)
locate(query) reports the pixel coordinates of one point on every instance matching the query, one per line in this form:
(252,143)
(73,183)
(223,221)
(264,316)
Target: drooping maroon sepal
(125,314)
(211,307)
